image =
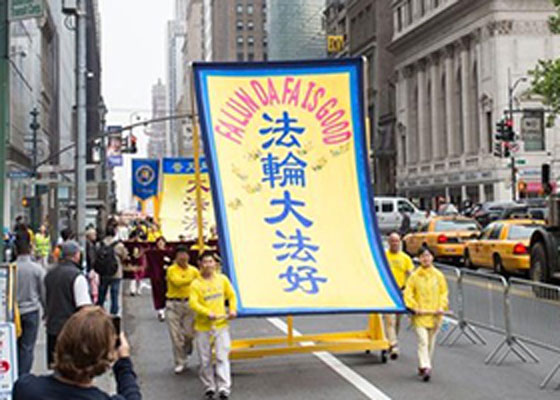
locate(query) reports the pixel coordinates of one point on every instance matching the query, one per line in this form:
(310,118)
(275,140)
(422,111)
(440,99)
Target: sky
(133,58)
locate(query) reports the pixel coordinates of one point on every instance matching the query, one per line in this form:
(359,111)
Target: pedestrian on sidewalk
(30,299)
(159,259)
(179,315)
(85,349)
(43,246)
(426,295)
(109,265)
(401,266)
(91,255)
(66,292)
(207,298)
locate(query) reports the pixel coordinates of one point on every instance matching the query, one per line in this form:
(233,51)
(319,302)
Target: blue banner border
(354,67)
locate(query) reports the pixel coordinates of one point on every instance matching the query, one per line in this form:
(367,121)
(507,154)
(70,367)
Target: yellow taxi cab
(502,246)
(445,236)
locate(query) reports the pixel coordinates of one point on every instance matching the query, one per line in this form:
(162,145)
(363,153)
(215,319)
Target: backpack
(106,263)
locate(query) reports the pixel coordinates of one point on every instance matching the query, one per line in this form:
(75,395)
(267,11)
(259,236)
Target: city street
(460,372)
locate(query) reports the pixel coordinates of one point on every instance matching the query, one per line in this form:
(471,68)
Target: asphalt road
(460,372)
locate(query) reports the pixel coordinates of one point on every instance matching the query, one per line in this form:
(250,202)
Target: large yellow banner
(177,213)
(286,149)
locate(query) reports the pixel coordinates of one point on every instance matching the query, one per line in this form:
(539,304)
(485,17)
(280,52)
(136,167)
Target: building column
(465,95)
(449,101)
(481,193)
(409,133)
(436,129)
(422,116)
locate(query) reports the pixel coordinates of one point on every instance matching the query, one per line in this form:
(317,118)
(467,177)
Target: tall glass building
(295,29)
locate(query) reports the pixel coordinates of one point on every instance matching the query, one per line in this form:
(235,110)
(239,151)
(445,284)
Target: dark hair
(23,243)
(207,253)
(181,249)
(84,346)
(66,234)
(424,249)
(110,231)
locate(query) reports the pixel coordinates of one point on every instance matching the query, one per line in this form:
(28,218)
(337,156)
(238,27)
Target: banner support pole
(196,147)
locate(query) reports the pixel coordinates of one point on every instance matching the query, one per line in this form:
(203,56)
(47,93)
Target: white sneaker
(161,315)
(179,368)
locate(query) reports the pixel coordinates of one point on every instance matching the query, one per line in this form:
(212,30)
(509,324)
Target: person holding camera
(87,347)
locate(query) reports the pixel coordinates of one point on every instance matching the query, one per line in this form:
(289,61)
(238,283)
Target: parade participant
(159,258)
(109,265)
(180,317)
(30,298)
(207,298)
(66,292)
(427,296)
(401,266)
(43,246)
(85,349)
(137,260)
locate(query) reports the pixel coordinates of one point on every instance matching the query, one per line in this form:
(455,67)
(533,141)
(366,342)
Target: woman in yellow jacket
(426,295)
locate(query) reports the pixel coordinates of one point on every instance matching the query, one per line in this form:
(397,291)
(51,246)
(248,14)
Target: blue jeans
(114,284)
(26,342)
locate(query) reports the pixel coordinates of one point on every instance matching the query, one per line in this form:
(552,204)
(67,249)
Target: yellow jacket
(209,296)
(426,290)
(179,281)
(401,266)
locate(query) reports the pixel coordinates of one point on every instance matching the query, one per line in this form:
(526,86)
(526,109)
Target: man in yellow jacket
(179,315)
(207,299)
(426,295)
(401,267)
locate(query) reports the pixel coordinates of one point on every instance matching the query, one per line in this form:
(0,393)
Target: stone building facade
(455,61)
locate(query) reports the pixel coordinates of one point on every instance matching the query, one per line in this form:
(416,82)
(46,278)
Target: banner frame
(276,68)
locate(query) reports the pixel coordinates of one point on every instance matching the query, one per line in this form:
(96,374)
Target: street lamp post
(511,90)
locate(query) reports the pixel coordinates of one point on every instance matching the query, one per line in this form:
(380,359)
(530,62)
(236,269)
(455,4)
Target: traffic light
(545,179)
(498,149)
(25,202)
(133,148)
(501,129)
(509,134)
(507,151)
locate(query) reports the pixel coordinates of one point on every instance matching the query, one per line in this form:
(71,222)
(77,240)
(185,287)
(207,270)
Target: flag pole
(196,147)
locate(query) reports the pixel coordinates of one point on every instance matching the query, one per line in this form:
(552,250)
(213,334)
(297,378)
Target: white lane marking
(337,366)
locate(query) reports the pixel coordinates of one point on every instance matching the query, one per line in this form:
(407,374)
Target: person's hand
(212,317)
(232,315)
(124,349)
(440,312)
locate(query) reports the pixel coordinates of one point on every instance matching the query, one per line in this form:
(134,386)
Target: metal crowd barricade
(534,310)
(454,277)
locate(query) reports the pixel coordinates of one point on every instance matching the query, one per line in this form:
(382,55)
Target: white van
(388,212)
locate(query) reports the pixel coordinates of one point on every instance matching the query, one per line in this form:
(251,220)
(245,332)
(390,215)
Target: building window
(265,56)
(422,7)
(265,41)
(239,56)
(489,130)
(239,25)
(250,41)
(250,25)
(240,41)
(250,9)
(399,19)
(436,3)
(240,9)
(251,57)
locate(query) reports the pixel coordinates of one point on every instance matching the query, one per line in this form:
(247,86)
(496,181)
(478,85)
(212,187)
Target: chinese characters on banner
(178,200)
(288,162)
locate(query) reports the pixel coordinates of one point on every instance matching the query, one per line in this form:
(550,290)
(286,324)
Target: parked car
(445,236)
(502,246)
(388,212)
(491,211)
(525,211)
